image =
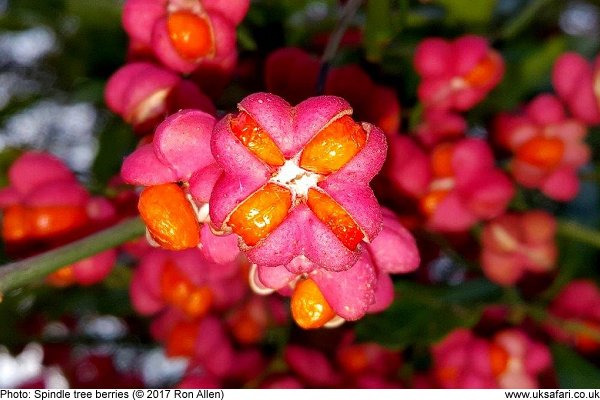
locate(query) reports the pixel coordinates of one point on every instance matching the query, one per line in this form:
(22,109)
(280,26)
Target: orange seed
(441,160)
(257,216)
(430,202)
(190,34)
(354,359)
(309,307)
(335,217)
(52,220)
(586,342)
(446,374)
(484,71)
(499,358)
(20,222)
(543,152)
(179,291)
(182,339)
(169,217)
(256,139)
(62,277)
(15,223)
(247,330)
(334,146)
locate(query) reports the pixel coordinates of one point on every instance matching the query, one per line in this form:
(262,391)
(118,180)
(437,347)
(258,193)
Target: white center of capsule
(296,179)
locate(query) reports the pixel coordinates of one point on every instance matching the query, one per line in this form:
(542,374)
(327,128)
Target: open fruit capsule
(294,181)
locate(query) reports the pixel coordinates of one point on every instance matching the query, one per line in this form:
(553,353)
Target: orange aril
(430,202)
(309,307)
(199,302)
(15,223)
(257,216)
(182,339)
(246,329)
(446,375)
(441,160)
(354,359)
(334,146)
(177,290)
(190,34)
(499,359)
(256,139)
(175,286)
(20,222)
(169,217)
(335,217)
(586,342)
(62,277)
(543,152)
(484,72)
(52,220)
(390,122)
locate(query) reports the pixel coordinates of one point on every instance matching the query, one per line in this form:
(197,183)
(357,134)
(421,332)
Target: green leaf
(378,29)
(76,300)
(529,64)
(535,69)
(523,19)
(468,12)
(7,157)
(476,291)
(115,142)
(11,312)
(573,371)
(245,39)
(425,314)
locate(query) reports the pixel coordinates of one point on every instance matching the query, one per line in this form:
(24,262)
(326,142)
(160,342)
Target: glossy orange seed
(335,217)
(257,216)
(390,122)
(169,217)
(199,302)
(181,341)
(499,358)
(53,220)
(62,277)
(441,160)
(179,291)
(447,374)
(15,223)
(310,310)
(430,202)
(247,330)
(20,223)
(256,139)
(485,71)
(587,342)
(334,146)
(543,152)
(354,359)
(190,34)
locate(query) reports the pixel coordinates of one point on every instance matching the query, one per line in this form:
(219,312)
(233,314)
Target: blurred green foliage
(423,315)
